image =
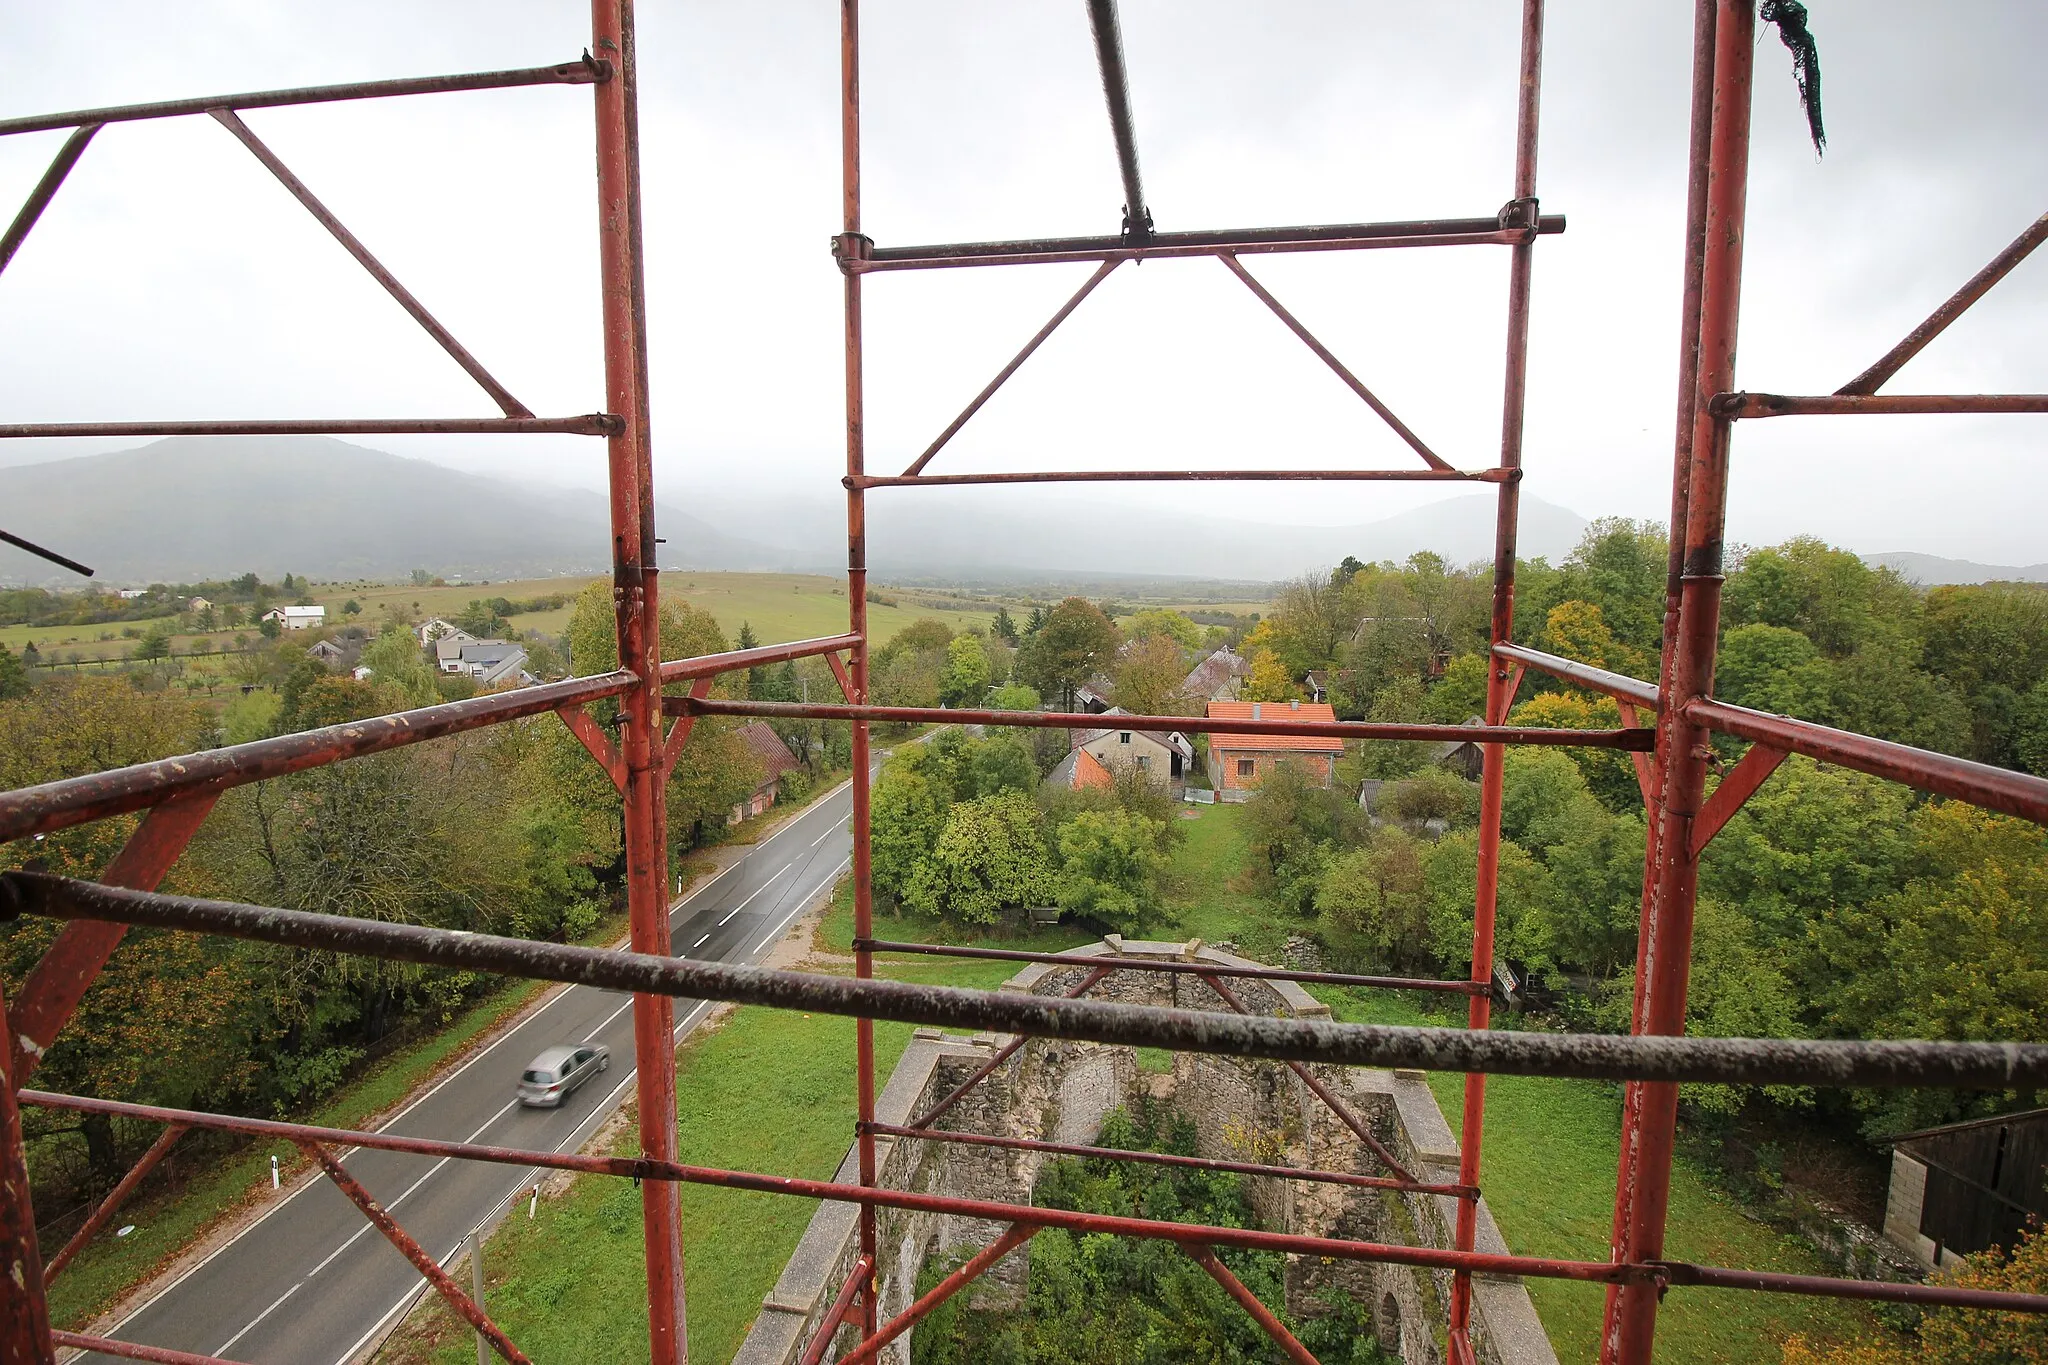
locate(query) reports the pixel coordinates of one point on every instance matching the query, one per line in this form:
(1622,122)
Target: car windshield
(540,1077)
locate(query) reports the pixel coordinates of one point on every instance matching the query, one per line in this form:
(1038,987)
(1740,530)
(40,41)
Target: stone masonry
(1243,1110)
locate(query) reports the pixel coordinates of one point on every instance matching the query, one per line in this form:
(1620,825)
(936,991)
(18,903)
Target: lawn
(570,1285)
(778,606)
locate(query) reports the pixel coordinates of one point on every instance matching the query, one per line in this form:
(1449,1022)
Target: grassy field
(777,606)
(570,1285)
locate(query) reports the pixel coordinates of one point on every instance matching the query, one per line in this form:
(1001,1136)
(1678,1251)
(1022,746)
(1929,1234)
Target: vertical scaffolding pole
(1665,963)
(857,624)
(1499,679)
(1698,144)
(637,607)
(24,1309)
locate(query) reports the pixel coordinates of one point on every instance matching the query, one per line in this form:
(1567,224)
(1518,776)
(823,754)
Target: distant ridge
(1933,571)
(192,508)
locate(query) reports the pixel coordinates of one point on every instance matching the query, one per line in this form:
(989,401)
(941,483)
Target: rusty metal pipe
(1358,1126)
(994,1063)
(24,1308)
(29,545)
(989,1068)
(1198,1163)
(429,1268)
(1002,377)
(1145,964)
(1585,675)
(1639,740)
(1731,1061)
(1439,475)
(76,800)
(1206,242)
(1116,92)
(583,72)
(1206,1258)
(1981,784)
(710,665)
(500,395)
(1743,405)
(983,1260)
(856,1283)
(134,1350)
(1915,341)
(115,1198)
(1337,367)
(591,424)
(988,1210)
(46,189)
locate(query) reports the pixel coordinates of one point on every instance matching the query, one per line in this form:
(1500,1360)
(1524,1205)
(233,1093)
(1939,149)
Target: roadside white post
(533,1205)
(476,1280)
(273,1172)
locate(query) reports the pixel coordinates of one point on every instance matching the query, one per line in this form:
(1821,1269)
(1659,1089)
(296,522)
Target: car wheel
(604,1063)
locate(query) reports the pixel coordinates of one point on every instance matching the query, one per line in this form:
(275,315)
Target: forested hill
(193,508)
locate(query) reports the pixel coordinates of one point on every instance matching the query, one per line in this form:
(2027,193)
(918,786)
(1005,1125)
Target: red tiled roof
(1273,710)
(767,746)
(1089,772)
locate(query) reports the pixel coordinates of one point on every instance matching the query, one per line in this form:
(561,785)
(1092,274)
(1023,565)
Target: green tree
(1830,596)
(1579,630)
(1400,701)
(907,815)
(964,680)
(1773,668)
(1461,693)
(1149,677)
(991,857)
(1523,896)
(155,643)
(1110,864)
(396,660)
(1156,622)
(351,608)
(1074,643)
(1293,824)
(13,675)
(1432,794)
(1002,627)
(1014,697)
(1373,899)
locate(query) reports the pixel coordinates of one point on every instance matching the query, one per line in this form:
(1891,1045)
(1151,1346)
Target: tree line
(512,829)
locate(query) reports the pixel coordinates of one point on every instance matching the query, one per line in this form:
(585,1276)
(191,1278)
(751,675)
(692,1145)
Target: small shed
(1967,1187)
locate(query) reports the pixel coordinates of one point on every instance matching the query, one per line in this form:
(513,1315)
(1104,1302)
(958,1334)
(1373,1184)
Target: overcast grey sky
(173,278)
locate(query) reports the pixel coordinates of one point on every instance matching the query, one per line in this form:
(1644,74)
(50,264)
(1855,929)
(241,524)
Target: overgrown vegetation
(1095,1298)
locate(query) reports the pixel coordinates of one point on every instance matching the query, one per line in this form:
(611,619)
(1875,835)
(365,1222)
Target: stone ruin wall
(1243,1110)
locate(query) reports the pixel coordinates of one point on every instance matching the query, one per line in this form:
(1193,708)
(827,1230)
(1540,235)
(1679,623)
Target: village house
(1098,755)
(766,746)
(490,662)
(1238,762)
(297,618)
(448,646)
(326,651)
(1216,678)
(197,604)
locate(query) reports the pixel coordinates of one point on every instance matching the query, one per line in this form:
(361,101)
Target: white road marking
(818,808)
(757,891)
(700,943)
(223,1347)
(803,901)
(607,1021)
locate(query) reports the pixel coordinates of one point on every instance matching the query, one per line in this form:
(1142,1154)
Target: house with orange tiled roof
(1081,769)
(1239,761)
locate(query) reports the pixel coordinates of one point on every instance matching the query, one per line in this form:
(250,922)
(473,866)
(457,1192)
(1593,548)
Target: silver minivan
(550,1077)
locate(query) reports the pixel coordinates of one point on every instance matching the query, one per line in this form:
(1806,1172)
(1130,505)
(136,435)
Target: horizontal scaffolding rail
(1185,476)
(1880,404)
(1637,739)
(1729,1061)
(1153,964)
(589,424)
(584,71)
(860,256)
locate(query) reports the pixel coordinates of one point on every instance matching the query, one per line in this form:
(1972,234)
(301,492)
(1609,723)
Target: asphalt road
(311,1282)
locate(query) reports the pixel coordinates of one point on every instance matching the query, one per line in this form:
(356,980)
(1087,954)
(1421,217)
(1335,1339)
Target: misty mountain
(1021,534)
(1932,570)
(193,508)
